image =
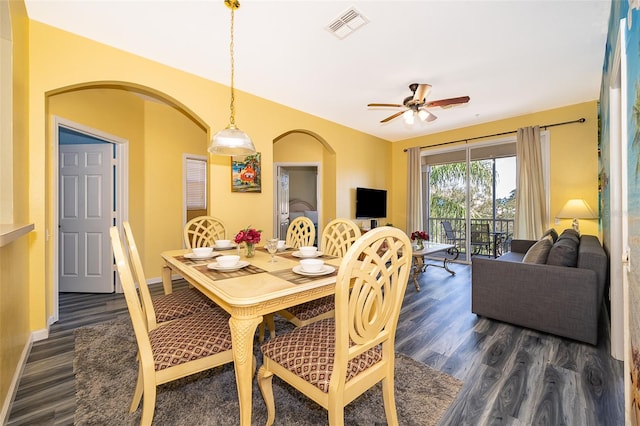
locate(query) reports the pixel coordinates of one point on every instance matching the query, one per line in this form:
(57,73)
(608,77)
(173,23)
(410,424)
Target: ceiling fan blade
(391,117)
(444,103)
(385,105)
(421,92)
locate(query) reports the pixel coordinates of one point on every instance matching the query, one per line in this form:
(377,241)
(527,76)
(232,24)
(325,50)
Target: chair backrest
(480,233)
(133,302)
(203,231)
(139,277)
(338,236)
(301,232)
(448,230)
(370,287)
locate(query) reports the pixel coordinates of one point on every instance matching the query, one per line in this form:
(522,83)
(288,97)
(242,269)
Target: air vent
(348,21)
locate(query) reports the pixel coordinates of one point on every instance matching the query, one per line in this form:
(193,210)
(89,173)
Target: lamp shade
(231,141)
(576,208)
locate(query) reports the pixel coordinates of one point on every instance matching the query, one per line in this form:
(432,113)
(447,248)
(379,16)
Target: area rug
(106,369)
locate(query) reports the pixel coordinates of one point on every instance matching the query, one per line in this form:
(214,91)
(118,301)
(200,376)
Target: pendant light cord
(232,121)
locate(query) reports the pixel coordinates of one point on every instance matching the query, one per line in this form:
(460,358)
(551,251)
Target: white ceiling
(511,57)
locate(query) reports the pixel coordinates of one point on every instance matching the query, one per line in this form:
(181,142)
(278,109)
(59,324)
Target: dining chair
(335,360)
(337,237)
(167,307)
(180,348)
(203,231)
(301,232)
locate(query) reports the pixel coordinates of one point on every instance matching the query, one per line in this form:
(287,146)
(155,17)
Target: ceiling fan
(417,104)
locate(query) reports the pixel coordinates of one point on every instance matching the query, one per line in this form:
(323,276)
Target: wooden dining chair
(335,360)
(203,231)
(167,307)
(337,237)
(301,232)
(180,348)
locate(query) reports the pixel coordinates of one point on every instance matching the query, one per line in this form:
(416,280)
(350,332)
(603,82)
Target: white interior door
(282,202)
(86,207)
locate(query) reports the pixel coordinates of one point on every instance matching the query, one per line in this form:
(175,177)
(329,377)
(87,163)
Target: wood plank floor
(511,375)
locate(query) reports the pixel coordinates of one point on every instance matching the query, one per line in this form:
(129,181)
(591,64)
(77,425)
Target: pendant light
(231,140)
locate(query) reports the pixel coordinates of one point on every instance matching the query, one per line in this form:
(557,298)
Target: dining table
(260,287)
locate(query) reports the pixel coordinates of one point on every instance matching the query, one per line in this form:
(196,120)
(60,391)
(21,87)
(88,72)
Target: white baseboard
(15,381)
(38,335)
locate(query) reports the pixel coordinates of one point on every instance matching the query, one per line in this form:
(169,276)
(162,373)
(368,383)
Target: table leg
(417,270)
(242,333)
(166,280)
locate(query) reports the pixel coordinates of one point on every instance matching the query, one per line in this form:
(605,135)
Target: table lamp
(575,209)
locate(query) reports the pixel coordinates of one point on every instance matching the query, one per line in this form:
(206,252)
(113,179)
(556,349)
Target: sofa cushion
(552,232)
(571,234)
(539,251)
(564,253)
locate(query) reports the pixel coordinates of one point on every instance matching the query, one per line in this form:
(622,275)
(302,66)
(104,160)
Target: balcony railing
(504,228)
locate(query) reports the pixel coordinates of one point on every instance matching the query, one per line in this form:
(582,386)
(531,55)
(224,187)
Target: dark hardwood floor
(511,375)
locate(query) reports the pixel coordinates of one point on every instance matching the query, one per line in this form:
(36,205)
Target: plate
(232,246)
(241,264)
(285,248)
(298,254)
(326,269)
(193,256)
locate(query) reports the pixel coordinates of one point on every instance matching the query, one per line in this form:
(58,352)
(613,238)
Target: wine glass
(272,248)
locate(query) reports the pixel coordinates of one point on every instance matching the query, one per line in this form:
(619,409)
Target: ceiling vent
(348,21)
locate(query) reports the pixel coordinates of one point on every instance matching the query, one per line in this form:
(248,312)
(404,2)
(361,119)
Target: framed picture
(245,173)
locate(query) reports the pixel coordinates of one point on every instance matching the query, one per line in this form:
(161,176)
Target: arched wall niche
(305,147)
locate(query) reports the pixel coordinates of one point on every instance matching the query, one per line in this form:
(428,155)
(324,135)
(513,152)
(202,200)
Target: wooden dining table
(247,294)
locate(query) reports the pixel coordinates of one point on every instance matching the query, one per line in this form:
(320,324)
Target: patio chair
(178,349)
(480,238)
(452,236)
(335,360)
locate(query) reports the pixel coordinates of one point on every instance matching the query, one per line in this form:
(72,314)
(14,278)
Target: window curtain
(414,190)
(530,197)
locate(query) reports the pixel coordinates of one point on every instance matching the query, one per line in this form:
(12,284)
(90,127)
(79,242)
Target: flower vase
(420,244)
(250,250)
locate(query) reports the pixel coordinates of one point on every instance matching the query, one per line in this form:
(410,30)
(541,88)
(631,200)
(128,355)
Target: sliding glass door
(469,198)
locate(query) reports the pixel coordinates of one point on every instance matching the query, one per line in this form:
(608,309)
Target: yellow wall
(61,61)
(15,265)
(573,153)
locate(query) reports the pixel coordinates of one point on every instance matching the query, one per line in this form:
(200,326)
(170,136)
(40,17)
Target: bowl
(228,260)
(311,265)
(202,251)
(281,244)
(223,243)
(308,251)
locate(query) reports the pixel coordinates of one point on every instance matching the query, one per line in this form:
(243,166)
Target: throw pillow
(570,234)
(564,253)
(538,252)
(552,232)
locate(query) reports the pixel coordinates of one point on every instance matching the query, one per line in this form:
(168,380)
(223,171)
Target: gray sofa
(561,300)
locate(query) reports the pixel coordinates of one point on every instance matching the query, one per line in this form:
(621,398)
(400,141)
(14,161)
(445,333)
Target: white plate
(232,246)
(196,257)
(241,264)
(326,269)
(285,248)
(298,254)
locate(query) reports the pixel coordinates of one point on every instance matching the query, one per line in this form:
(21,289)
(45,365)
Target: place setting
(201,253)
(221,245)
(313,268)
(228,263)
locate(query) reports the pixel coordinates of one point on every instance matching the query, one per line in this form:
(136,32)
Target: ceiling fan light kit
(417,104)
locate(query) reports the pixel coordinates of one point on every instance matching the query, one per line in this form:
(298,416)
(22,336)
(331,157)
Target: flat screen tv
(371,203)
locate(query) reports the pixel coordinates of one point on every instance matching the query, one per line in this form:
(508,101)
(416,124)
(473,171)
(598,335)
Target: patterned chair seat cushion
(179,304)
(308,352)
(192,337)
(312,309)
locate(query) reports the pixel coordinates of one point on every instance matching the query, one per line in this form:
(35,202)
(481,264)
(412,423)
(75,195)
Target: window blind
(196,184)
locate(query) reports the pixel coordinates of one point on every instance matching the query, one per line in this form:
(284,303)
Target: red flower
(419,235)
(248,235)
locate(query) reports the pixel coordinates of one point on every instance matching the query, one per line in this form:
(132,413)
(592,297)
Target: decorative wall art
(245,173)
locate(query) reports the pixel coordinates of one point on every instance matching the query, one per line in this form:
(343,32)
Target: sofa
(558,289)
